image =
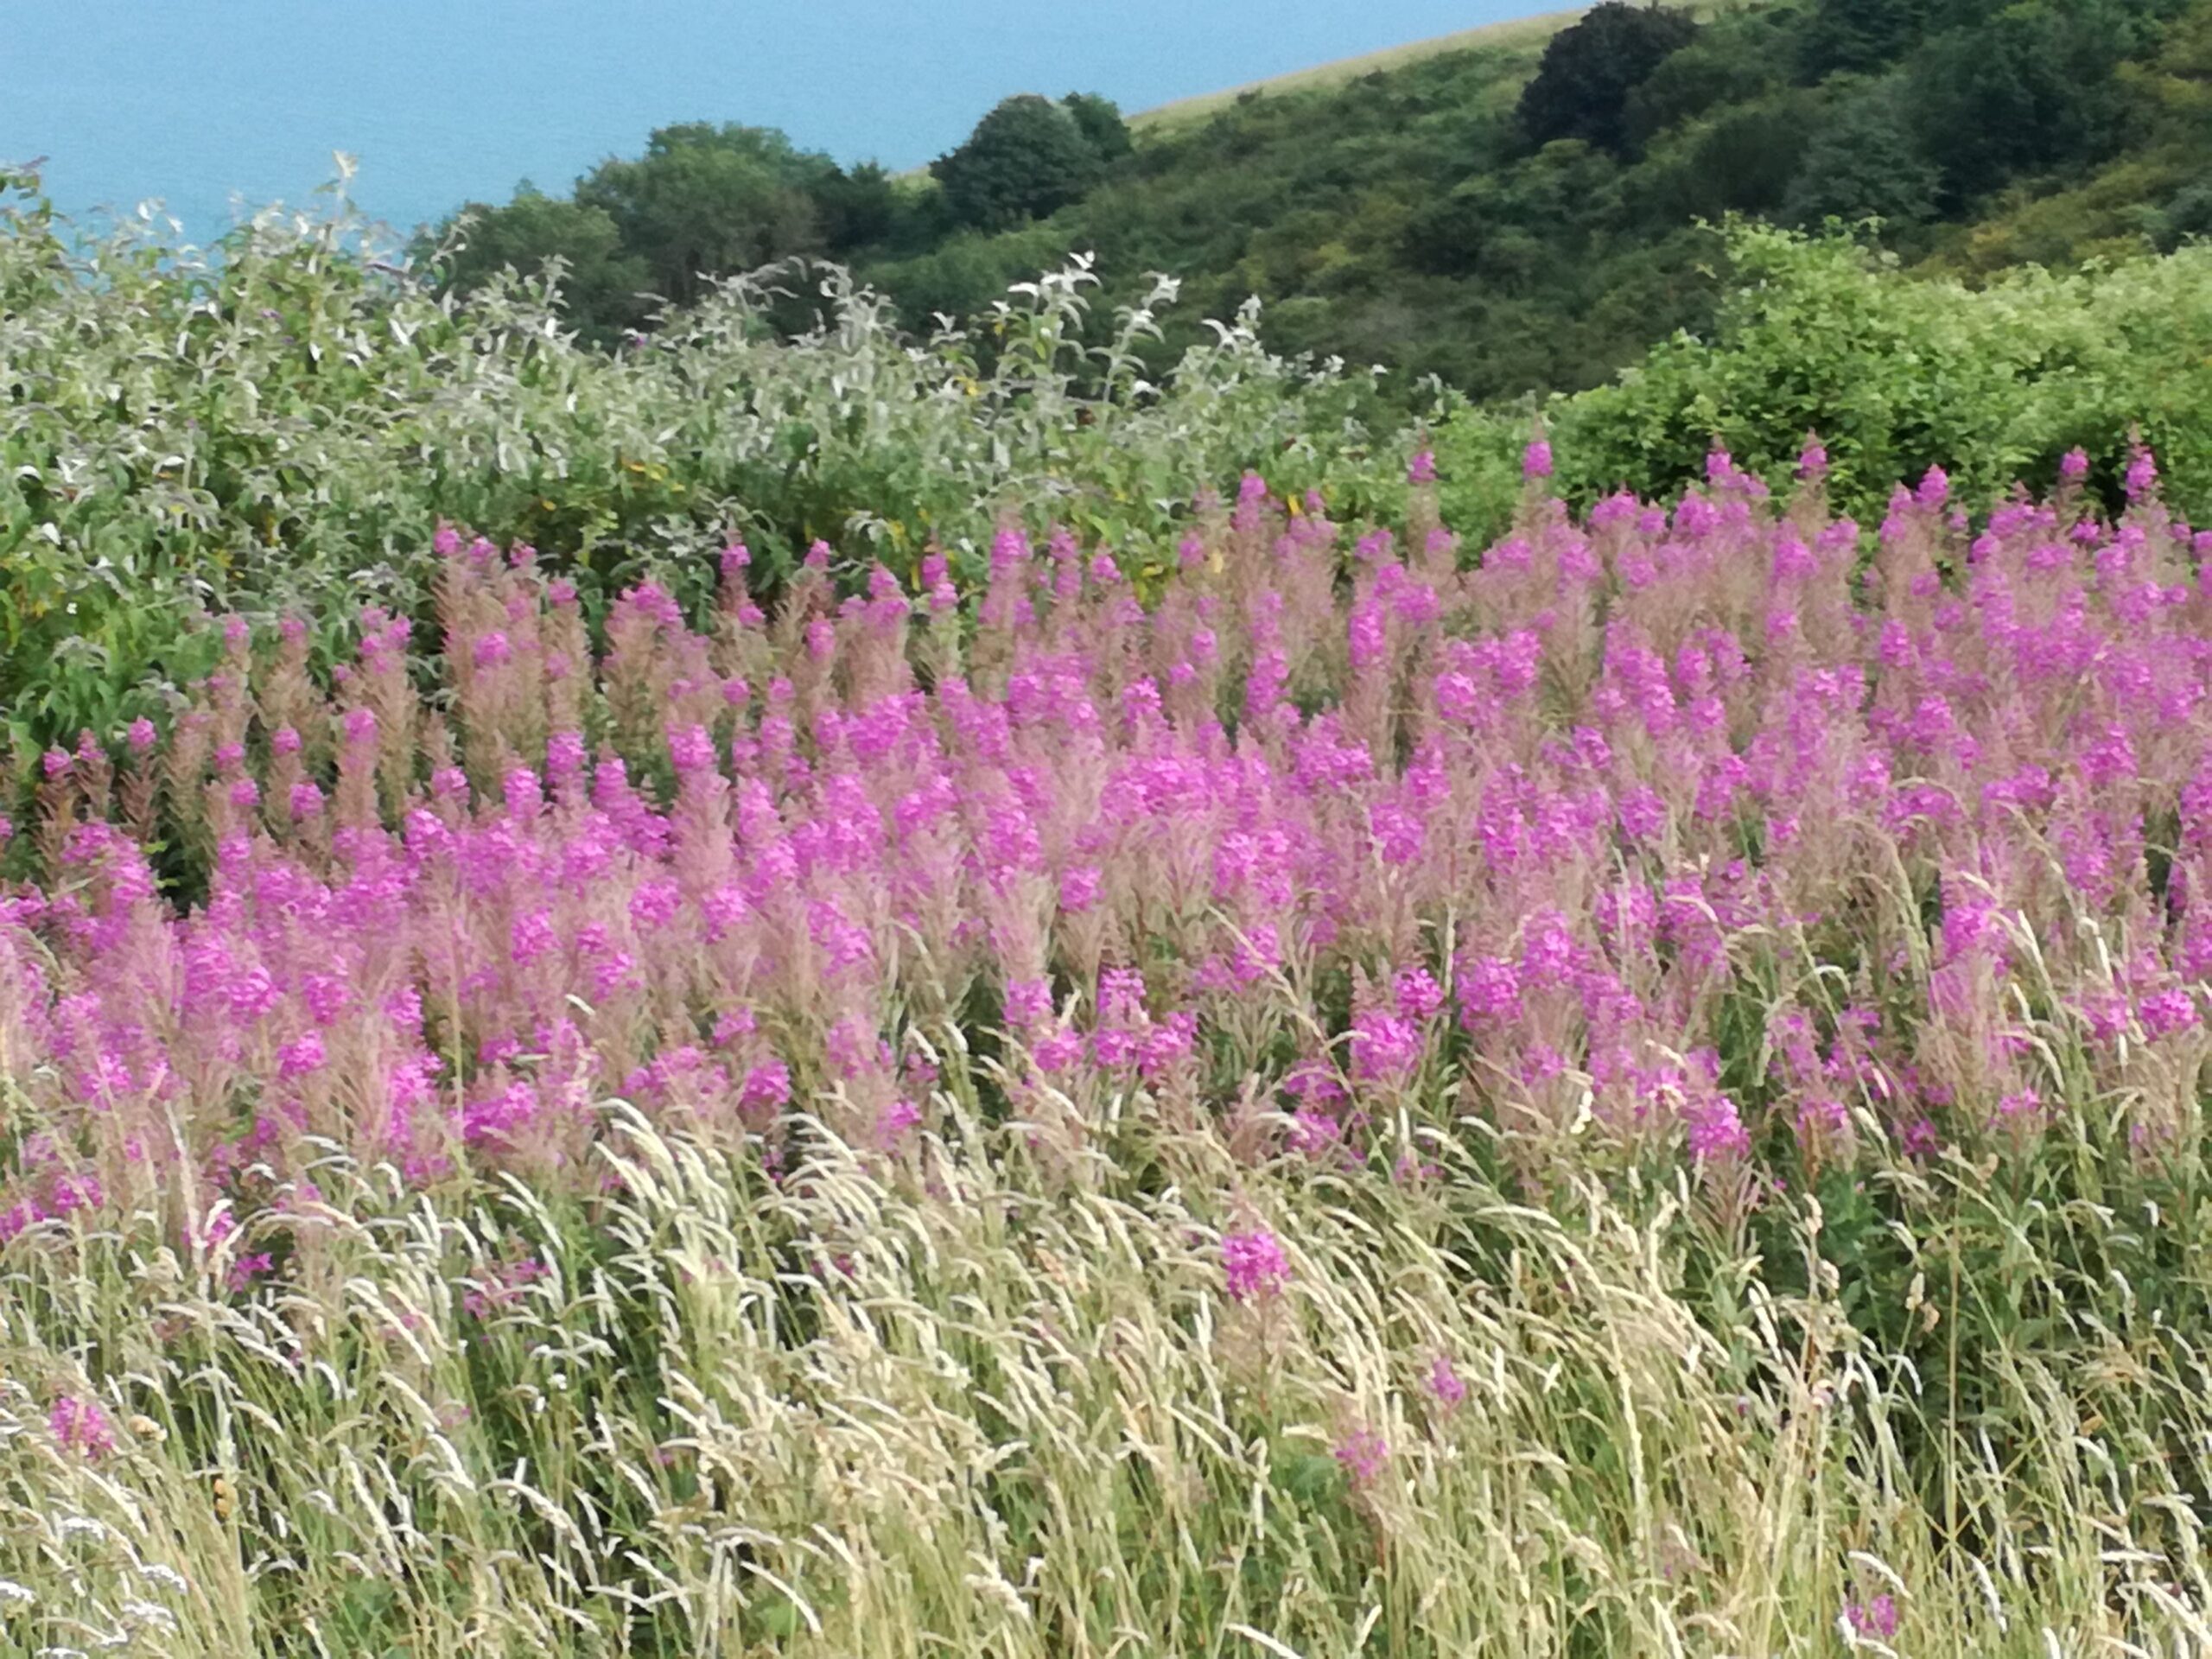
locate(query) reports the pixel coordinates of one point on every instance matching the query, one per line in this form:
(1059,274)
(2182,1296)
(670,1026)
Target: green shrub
(283,430)
(1896,374)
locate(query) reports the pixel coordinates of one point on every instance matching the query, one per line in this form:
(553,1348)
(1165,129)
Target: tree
(706,201)
(1858,37)
(1099,120)
(858,209)
(1730,62)
(1024,159)
(2026,91)
(1581,87)
(1862,164)
(601,282)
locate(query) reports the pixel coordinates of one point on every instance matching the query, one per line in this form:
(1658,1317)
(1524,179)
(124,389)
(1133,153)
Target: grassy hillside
(1400,211)
(1518,33)
(1518,209)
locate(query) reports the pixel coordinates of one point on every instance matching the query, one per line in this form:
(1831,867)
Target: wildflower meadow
(1633,1090)
(792,990)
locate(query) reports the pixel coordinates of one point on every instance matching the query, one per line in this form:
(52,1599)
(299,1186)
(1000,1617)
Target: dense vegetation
(1519,216)
(1895,375)
(1070,988)
(1642,1093)
(282,432)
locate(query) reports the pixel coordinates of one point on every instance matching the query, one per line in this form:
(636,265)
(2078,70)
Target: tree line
(1511,216)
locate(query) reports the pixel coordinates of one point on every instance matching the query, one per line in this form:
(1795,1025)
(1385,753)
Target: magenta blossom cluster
(1361,1454)
(1253,1264)
(80,1425)
(1877,1616)
(1323,831)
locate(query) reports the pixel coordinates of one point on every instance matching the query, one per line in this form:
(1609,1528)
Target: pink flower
(1536,460)
(766,1087)
(690,749)
(1444,1382)
(1385,1047)
(1716,1132)
(80,1426)
(1876,1617)
(2166,1013)
(1362,1455)
(1253,1264)
(897,1121)
(1079,890)
(2142,474)
(301,1058)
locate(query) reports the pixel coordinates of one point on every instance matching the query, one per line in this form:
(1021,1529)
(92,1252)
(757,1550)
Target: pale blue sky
(444,100)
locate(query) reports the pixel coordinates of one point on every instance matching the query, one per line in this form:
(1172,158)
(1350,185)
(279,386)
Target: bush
(284,430)
(1896,374)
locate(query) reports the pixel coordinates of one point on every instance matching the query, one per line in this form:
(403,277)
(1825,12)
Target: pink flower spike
(1445,1383)
(1253,1264)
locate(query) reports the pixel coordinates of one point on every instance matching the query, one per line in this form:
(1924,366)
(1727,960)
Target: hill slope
(1397,209)
(1522,208)
(1517,32)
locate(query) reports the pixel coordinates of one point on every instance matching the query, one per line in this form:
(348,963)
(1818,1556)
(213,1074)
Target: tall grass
(1639,1094)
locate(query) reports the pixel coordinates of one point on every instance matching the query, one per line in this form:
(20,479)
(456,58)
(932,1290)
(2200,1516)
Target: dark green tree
(2028,90)
(1858,37)
(1862,163)
(858,209)
(602,285)
(1581,87)
(706,201)
(1099,119)
(1732,61)
(1024,159)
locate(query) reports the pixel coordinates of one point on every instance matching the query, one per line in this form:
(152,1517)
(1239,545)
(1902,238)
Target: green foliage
(1026,158)
(1862,163)
(706,201)
(2026,90)
(1099,120)
(605,286)
(859,207)
(283,430)
(1858,37)
(702,203)
(1734,61)
(1582,87)
(1896,374)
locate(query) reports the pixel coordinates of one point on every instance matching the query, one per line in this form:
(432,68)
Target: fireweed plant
(1638,1094)
(279,426)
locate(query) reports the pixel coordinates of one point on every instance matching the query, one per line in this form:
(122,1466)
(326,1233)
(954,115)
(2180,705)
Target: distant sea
(213,105)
